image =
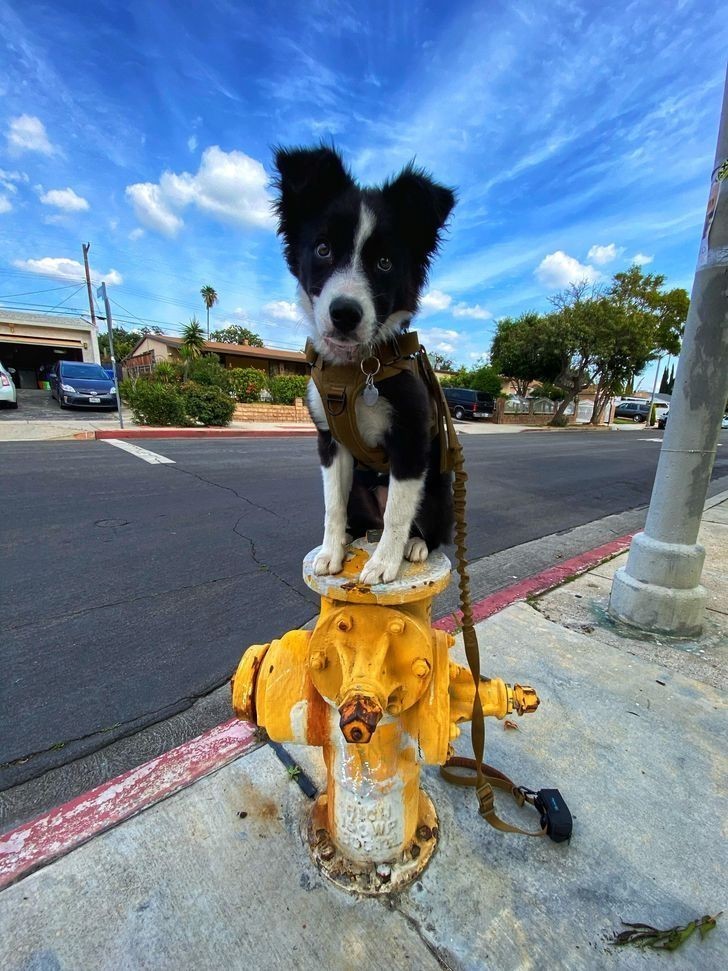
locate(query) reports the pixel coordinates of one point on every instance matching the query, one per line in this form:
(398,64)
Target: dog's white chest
(373,421)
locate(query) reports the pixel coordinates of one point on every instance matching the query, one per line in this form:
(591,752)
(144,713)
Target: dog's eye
(323,250)
(384,264)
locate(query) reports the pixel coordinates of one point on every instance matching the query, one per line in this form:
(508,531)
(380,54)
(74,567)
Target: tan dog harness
(341,385)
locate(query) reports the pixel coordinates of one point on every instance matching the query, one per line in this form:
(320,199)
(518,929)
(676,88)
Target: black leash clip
(555,815)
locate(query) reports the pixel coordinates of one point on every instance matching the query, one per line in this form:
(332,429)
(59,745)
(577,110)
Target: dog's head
(360,255)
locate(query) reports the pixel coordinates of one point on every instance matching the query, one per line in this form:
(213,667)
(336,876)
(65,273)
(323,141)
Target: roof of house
(42,320)
(240,350)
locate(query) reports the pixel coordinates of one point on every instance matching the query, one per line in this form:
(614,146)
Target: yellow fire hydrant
(372,685)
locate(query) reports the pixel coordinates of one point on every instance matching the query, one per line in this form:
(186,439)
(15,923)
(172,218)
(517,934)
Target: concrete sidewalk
(631,729)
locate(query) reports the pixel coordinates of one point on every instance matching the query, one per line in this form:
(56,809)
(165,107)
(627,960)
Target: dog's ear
(421,208)
(308,180)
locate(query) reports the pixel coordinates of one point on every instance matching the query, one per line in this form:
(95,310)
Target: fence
(132,367)
(539,411)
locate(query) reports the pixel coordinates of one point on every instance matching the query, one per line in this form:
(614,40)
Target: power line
(70,295)
(32,293)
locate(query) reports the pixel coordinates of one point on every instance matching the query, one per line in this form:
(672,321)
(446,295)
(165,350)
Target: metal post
(102,295)
(659,588)
(654,389)
(86,247)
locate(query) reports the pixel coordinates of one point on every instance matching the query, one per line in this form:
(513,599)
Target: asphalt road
(131,589)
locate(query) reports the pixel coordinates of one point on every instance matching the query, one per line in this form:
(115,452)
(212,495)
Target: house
(31,343)
(154,348)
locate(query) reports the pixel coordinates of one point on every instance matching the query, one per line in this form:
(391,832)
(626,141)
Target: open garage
(30,344)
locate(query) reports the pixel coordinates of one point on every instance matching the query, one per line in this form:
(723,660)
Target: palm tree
(193,338)
(209,298)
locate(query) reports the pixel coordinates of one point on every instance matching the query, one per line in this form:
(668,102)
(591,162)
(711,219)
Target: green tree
(124,341)
(235,334)
(440,362)
(665,382)
(519,353)
(486,378)
(209,298)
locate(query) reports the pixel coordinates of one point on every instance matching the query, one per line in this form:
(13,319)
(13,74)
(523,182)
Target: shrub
(285,388)
(167,372)
(154,403)
(208,405)
(208,371)
(246,383)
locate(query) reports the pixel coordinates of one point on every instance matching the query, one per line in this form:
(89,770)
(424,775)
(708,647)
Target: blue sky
(580,136)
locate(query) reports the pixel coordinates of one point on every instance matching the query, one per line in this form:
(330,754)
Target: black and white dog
(361,257)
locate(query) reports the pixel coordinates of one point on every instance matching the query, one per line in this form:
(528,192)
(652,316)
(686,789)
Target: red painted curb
(204,433)
(66,827)
(538,583)
(61,830)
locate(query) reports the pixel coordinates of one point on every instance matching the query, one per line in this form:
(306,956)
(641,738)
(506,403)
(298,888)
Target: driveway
(35,405)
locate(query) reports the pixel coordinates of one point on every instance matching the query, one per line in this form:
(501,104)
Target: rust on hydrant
(373,686)
(359,718)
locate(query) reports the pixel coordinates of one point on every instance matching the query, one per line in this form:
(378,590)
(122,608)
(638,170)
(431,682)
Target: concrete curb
(52,835)
(538,583)
(200,433)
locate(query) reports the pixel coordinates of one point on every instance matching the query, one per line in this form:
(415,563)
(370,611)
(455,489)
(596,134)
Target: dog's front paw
(328,561)
(416,550)
(380,569)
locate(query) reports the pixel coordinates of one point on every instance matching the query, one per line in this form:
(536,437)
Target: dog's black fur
(361,258)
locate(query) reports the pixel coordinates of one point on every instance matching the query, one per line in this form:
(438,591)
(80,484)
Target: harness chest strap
(339,386)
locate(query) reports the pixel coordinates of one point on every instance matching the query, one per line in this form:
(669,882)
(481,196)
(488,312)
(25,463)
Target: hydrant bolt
(420,668)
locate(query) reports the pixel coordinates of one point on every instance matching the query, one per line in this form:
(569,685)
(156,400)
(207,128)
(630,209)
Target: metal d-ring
(371,374)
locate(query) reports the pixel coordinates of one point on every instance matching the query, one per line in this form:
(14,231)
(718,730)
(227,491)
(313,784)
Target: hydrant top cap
(413,582)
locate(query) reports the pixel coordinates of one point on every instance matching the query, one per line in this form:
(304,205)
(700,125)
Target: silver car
(8,394)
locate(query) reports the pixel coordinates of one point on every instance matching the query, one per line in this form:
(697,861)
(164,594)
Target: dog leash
(555,818)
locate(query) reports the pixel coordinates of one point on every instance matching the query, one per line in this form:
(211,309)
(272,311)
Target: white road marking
(650,439)
(154,458)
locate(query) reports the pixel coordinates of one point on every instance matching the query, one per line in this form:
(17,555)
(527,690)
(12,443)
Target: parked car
(466,403)
(662,420)
(8,394)
(80,384)
(724,422)
(636,410)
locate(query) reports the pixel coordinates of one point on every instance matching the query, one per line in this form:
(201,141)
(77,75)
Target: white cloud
(604,254)
(9,180)
(152,209)
(475,312)
(71,271)
(192,143)
(5,204)
(435,300)
(282,310)
(559,270)
(229,186)
(479,356)
(65,199)
(642,259)
(26,133)
(136,233)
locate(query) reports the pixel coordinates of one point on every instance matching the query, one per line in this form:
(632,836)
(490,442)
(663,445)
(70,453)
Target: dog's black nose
(345,313)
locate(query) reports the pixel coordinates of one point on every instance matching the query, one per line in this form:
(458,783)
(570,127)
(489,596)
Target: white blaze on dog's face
(360,255)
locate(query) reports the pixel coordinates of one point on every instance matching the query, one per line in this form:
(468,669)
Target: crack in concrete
(268,569)
(217,485)
(393,903)
(22,759)
(248,539)
(118,603)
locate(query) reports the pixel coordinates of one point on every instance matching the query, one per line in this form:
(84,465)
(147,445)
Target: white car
(724,422)
(8,394)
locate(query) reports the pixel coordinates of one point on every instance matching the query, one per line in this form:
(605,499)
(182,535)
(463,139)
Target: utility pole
(86,247)
(102,295)
(659,589)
